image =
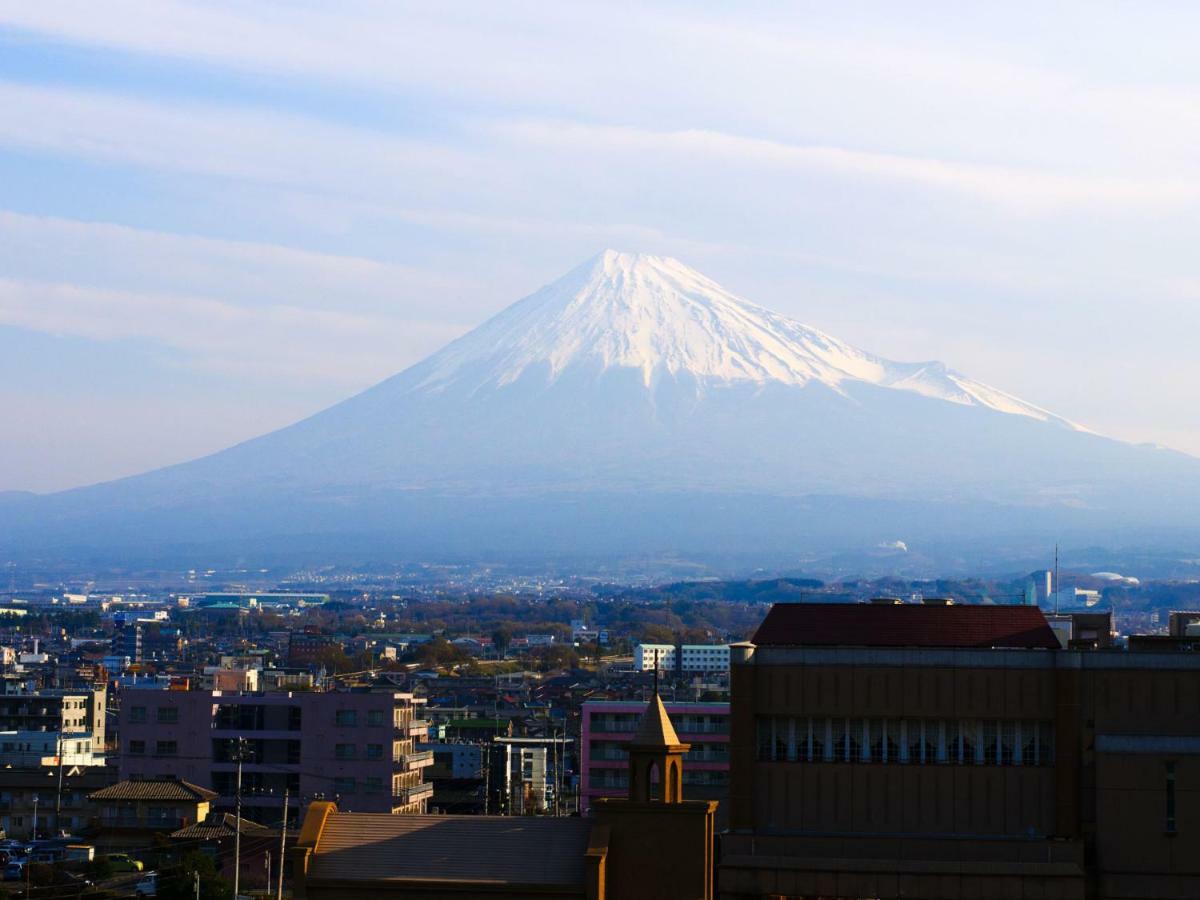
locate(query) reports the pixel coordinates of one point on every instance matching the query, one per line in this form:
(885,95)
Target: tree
(555,656)
(658,634)
(178,882)
(501,639)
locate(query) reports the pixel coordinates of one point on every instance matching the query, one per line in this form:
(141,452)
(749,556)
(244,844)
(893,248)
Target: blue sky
(216,218)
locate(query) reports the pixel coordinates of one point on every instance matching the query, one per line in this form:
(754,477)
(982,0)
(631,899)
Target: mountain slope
(635,406)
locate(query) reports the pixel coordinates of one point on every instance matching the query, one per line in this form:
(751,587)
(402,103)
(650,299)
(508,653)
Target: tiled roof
(165,789)
(904,625)
(496,849)
(220,827)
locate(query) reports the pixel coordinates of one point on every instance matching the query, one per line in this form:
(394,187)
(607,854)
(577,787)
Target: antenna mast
(1057,584)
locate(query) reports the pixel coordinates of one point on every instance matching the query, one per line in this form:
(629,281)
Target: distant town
(191,727)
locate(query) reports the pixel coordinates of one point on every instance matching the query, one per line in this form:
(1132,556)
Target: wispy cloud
(291,150)
(271,341)
(1027,190)
(250,273)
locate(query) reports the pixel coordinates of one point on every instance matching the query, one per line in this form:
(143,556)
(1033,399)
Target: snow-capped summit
(660,318)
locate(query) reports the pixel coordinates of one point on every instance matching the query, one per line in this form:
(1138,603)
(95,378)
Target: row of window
(253,717)
(161,748)
(223,751)
(619,778)
(350,751)
(348,718)
(163,715)
(700,752)
(1002,742)
(685,723)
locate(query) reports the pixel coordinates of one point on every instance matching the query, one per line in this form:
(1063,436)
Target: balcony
(414,793)
(418,759)
(418,727)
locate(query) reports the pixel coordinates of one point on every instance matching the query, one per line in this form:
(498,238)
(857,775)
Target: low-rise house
(129,812)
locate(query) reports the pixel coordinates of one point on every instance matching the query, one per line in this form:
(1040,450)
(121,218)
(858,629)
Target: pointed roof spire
(655,730)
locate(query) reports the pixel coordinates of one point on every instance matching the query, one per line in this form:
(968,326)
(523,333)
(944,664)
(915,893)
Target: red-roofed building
(905,625)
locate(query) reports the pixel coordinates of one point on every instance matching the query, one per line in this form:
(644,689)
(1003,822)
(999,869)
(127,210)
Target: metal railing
(414,793)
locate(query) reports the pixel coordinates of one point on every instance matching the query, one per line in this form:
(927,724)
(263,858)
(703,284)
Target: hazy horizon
(215,221)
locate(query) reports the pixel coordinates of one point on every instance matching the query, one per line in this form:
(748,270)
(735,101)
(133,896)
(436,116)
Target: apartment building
(529,774)
(71,712)
(953,751)
(356,746)
(682,658)
(607,727)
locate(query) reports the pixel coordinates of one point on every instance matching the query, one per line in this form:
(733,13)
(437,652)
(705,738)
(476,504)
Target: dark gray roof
(162,790)
(216,828)
(495,849)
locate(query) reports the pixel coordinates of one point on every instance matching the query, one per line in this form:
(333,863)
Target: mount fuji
(635,406)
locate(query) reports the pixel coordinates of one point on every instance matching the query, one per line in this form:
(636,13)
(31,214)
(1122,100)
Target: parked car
(148,886)
(123,862)
(14,871)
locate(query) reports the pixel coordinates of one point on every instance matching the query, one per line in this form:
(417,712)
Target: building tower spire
(656,747)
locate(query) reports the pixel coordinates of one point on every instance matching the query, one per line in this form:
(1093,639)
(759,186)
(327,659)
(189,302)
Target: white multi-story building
(695,657)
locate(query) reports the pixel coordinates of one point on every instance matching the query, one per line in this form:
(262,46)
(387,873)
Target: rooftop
(370,847)
(155,789)
(905,625)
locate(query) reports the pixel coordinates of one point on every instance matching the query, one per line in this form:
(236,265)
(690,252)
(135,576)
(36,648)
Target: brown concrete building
(953,751)
(654,845)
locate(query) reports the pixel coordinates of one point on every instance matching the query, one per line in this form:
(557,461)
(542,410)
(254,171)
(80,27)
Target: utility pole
(58,796)
(237,834)
(28,865)
(282,847)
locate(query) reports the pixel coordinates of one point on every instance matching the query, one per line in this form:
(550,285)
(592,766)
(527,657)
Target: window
(374,751)
(137,714)
(137,748)
(854,740)
(1008,743)
(970,742)
(344,786)
(344,751)
(1170,826)
(376,717)
(346,718)
(167,715)
(991,743)
(373,785)
(765,744)
(835,751)
(166,748)
(877,751)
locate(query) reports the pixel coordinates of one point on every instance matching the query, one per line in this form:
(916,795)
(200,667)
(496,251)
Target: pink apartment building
(356,746)
(607,726)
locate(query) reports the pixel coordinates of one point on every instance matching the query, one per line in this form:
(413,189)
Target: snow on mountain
(660,318)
